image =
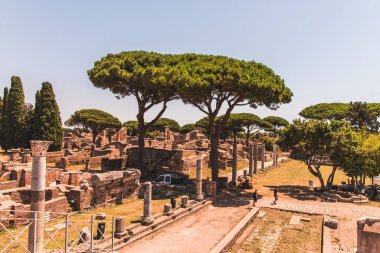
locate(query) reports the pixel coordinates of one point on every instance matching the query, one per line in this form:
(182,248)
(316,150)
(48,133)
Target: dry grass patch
(271,234)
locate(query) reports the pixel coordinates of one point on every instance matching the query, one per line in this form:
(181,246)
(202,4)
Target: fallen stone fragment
(331,223)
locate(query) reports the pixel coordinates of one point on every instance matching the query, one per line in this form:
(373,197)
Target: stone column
(256,148)
(274,153)
(37,204)
(262,156)
(120,227)
(199,181)
(147,218)
(250,155)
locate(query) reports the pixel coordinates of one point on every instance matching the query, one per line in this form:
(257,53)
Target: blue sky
(326,50)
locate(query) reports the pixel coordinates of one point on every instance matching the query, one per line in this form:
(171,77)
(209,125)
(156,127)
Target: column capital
(39,147)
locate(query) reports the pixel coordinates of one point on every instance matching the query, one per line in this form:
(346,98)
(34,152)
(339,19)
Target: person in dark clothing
(275,195)
(254,196)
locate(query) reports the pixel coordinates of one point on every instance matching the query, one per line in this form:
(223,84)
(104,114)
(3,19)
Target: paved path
(196,233)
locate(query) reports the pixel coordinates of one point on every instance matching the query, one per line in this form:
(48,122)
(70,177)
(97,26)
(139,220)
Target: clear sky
(326,50)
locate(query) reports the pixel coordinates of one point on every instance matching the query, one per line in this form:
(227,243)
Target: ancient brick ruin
(84,175)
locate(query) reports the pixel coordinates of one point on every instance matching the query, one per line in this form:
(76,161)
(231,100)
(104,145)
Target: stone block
(368,235)
(330,222)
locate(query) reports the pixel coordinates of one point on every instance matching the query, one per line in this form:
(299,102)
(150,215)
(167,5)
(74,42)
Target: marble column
(147,218)
(256,148)
(262,156)
(37,203)
(250,171)
(199,181)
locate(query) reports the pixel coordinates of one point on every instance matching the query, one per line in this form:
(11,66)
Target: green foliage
(201,80)
(187,128)
(225,79)
(213,82)
(28,127)
(3,116)
(356,153)
(162,123)
(234,125)
(47,120)
(325,111)
(361,115)
(276,123)
(203,123)
(310,142)
(94,120)
(1,108)
(151,78)
(146,75)
(371,147)
(132,127)
(15,116)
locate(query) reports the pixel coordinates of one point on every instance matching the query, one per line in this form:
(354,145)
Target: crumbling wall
(368,235)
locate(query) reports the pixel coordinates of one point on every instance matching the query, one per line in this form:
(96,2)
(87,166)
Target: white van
(170,179)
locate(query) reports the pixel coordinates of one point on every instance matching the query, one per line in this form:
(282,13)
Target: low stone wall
(54,157)
(339,198)
(8,185)
(368,235)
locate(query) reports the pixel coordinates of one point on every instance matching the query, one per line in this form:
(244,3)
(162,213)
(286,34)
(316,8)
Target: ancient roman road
(196,233)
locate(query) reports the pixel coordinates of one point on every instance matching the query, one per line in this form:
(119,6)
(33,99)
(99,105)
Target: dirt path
(196,233)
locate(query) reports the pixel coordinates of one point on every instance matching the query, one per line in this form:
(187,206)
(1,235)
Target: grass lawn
(292,179)
(295,172)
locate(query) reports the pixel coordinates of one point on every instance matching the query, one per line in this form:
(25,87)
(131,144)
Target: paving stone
(261,214)
(295,220)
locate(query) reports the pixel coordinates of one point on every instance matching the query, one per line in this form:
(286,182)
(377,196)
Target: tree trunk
(317,173)
(330,180)
(94,135)
(274,153)
(356,184)
(214,153)
(141,143)
(234,161)
(323,187)
(248,137)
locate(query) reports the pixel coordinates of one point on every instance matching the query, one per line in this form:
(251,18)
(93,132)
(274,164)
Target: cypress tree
(47,119)
(3,116)
(15,117)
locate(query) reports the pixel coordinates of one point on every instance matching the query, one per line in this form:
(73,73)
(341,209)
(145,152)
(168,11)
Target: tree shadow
(302,193)
(231,199)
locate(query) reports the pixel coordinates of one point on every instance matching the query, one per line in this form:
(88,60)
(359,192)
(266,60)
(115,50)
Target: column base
(199,198)
(146,221)
(120,235)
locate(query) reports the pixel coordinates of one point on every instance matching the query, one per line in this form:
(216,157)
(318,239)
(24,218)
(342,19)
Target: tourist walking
(254,196)
(275,195)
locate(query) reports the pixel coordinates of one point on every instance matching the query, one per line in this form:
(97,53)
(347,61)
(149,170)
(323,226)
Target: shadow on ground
(297,192)
(232,199)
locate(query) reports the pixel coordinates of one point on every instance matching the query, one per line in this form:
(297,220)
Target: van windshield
(160,179)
